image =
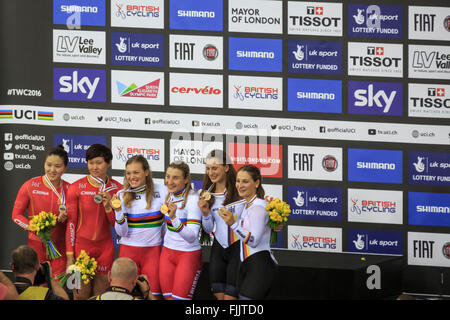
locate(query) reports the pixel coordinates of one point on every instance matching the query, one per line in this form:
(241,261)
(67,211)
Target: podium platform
(321,276)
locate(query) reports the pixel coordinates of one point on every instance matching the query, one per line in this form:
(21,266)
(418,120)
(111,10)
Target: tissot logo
(432,101)
(315,18)
(375,59)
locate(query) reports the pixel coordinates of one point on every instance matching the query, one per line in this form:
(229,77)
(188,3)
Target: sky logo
(76,13)
(366,165)
(137,49)
(317,57)
(315,203)
(429,168)
(375,241)
(255,54)
(429,209)
(377,98)
(206,15)
(314,95)
(79,84)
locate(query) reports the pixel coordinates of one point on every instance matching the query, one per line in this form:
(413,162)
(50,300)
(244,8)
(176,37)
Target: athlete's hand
(62,216)
(204,206)
(172,210)
(106,200)
(227,216)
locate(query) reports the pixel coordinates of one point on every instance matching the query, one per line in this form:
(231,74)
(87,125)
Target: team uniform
(257,269)
(88,225)
(140,233)
(224,261)
(181,255)
(36,195)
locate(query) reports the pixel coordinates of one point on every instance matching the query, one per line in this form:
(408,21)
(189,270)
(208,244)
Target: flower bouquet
(278,214)
(42,224)
(84,264)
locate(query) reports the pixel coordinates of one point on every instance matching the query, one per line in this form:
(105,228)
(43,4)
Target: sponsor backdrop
(344,106)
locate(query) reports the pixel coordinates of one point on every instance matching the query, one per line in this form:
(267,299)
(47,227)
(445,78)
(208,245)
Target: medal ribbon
(102,184)
(136,190)
(61,196)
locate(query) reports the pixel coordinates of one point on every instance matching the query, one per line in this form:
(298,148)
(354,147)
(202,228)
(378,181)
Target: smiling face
(54,168)
(136,175)
(245,185)
(216,172)
(98,167)
(175,180)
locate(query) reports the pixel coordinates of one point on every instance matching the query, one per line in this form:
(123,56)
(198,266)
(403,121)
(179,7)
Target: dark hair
(180,165)
(232,193)
(130,196)
(256,175)
(99,150)
(60,152)
(24,259)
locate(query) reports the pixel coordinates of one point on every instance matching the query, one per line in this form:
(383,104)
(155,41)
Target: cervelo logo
(375,98)
(79,84)
(205,90)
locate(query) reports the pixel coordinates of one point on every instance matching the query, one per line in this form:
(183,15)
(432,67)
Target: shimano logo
(375,165)
(256,54)
(75,8)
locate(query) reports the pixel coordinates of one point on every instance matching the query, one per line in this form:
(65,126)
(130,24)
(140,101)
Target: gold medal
(98,198)
(116,204)
(206,195)
(164,209)
(222,210)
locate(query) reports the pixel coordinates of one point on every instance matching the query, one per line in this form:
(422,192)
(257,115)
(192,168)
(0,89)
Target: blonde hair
(128,197)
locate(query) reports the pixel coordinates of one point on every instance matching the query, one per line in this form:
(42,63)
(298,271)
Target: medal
(164,209)
(222,210)
(116,204)
(98,198)
(62,208)
(62,199)
(206,195)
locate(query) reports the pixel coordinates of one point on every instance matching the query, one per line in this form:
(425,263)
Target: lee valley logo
(429,62)
(79,46)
